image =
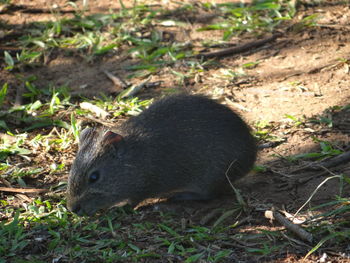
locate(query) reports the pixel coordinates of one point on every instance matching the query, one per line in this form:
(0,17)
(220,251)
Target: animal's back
(193,139)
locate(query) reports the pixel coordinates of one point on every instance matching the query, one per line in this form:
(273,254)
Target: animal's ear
(86,136)
(111,138)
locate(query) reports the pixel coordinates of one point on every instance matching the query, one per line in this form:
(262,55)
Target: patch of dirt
(303,74)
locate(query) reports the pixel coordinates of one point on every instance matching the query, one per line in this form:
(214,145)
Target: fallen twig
(332,64)
(239,243)
(334,26)
(23,190)
(95,109)
(19,95)
(341,158)
(11,50)
(88,118)
(134,89)
(29,10)
(23,197)
(270,144)
(118,81)
(236,105)
(296,241)
(296,229)
(239,49)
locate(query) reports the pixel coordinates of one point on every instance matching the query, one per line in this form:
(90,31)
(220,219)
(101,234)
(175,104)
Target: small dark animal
(180,147)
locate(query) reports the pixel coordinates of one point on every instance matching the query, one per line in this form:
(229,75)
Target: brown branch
(19,95)
(316,166)
(134,89)
(118,81)
(23,190)
(11,50)
(239,49)
(334,26)
(341,158)
(10,8)
(296,229)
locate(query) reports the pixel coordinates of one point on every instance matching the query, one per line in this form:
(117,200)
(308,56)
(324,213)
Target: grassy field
(40,124)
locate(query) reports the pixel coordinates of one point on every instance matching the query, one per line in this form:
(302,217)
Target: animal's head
(95,181)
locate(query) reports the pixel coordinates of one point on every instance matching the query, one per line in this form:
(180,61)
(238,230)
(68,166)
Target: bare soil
(302,74)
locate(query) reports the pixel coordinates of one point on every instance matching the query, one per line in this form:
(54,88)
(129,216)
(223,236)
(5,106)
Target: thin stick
(118,81)
(11,50)
(341,158)
(299,231)
(134,89)
(19,95)
(239,49)
(23,190)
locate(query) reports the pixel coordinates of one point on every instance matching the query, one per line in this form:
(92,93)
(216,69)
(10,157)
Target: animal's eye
(94,177)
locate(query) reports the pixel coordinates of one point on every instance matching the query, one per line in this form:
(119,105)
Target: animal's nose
(75,208)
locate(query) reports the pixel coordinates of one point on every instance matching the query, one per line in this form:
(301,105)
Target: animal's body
(180,147)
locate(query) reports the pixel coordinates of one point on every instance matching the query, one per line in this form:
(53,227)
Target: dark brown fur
(181,146)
